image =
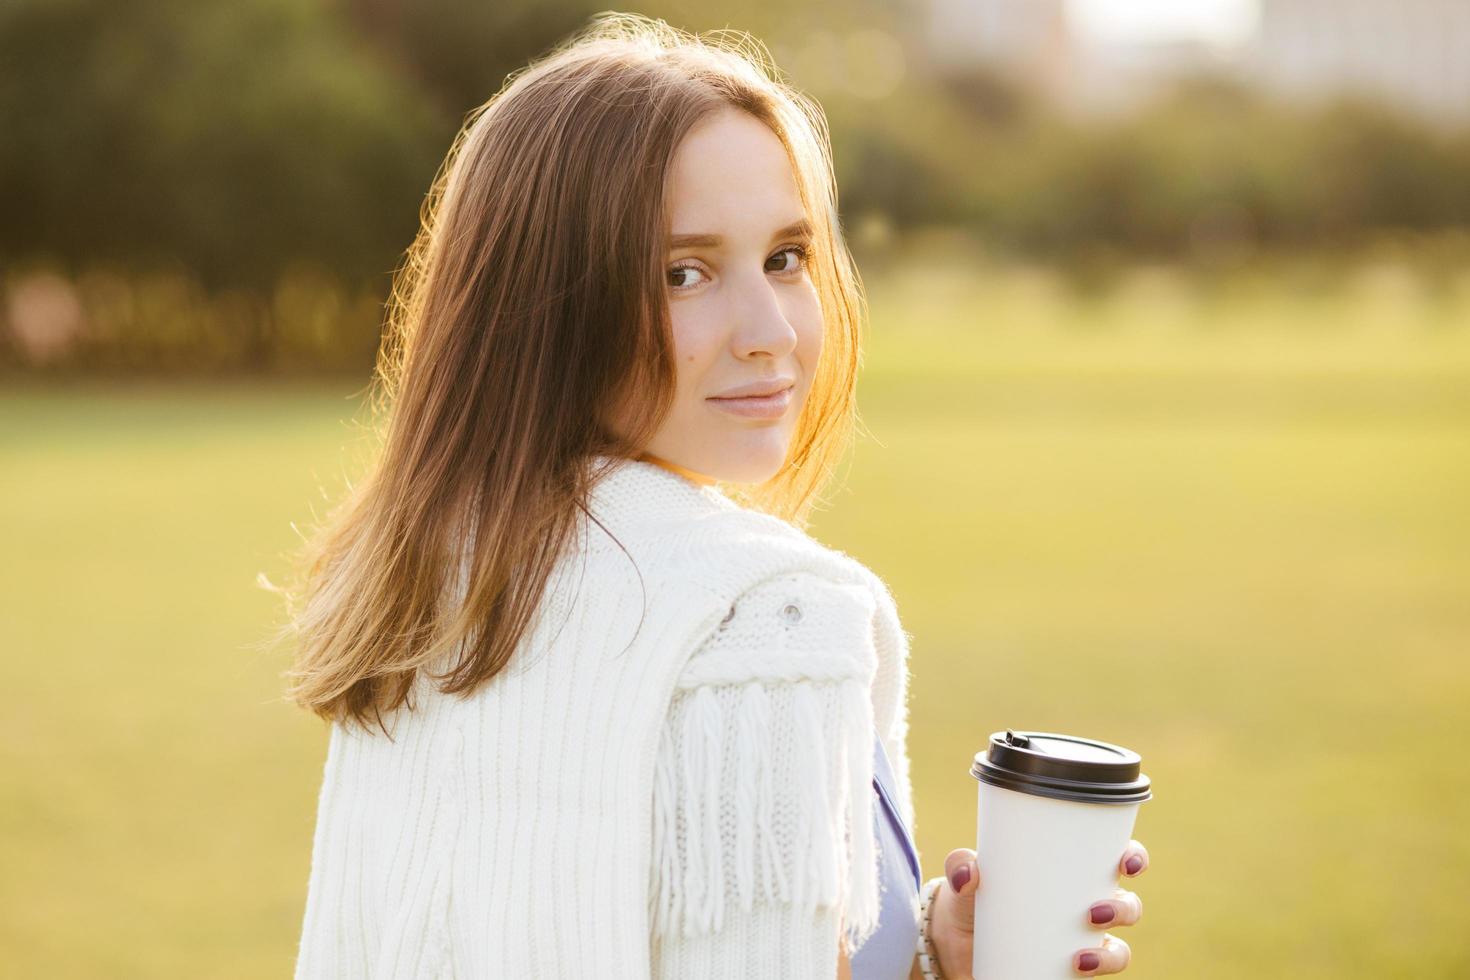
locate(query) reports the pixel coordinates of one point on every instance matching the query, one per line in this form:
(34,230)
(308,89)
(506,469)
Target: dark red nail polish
(960,878)
(1088,961)
(1101,914)
(1134,864)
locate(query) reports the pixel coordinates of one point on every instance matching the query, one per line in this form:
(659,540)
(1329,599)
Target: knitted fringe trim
(829,855)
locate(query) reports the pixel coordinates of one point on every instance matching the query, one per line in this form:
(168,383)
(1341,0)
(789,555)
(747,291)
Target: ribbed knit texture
(671,778)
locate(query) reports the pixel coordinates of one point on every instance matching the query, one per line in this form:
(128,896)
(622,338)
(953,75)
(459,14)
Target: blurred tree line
(200,185)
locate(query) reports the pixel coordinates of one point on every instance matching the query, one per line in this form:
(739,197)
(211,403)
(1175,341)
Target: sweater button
(792,613)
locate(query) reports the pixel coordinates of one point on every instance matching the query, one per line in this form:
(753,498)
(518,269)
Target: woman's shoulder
(762,801)
(804,624)
(685,533)
(723,559)
(736,544)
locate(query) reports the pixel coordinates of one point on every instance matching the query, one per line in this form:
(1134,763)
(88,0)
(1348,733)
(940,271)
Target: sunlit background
(1167,434)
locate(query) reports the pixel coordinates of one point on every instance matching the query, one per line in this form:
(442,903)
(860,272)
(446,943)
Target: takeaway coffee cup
(1055,814)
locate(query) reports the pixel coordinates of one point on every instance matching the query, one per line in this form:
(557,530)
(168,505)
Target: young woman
(600,707)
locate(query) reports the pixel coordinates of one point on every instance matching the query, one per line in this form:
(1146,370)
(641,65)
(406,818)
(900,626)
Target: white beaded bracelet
(928,956)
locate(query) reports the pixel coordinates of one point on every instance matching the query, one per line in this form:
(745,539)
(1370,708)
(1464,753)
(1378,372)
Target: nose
(762,326)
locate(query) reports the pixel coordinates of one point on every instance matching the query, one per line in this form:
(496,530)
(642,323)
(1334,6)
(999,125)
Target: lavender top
(888,953)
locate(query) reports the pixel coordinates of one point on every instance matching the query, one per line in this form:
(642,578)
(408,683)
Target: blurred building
(1030,40)
(1036,43)
(1117,76)
(1414,53)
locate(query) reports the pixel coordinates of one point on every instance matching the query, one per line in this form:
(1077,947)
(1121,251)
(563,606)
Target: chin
(749,465)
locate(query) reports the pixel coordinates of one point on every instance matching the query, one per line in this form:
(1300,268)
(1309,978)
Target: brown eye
(677,270)
(801,253)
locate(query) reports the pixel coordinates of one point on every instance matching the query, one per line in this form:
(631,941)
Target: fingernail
(960,878)
(1135,863)
(1101,914)
(1088,961)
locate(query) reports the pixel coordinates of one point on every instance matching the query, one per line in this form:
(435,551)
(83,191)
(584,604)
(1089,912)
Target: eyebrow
(797,229)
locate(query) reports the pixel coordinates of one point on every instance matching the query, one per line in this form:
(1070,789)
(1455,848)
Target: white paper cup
(1055,814)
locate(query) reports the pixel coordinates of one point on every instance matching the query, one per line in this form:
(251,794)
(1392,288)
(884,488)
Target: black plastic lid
(1062,767)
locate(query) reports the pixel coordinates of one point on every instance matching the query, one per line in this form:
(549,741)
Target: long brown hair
(532,302)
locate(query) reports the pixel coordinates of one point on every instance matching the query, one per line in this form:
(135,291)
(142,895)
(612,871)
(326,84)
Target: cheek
(809,333)
(696,345)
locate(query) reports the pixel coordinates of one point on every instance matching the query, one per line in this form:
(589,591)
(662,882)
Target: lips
(757,389)
(771,406)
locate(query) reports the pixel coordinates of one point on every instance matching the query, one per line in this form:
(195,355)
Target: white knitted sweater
(672,778)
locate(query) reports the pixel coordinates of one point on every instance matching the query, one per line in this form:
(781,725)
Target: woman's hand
(953,924)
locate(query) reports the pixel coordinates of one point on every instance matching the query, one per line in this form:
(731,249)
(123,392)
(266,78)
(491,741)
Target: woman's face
(743,307)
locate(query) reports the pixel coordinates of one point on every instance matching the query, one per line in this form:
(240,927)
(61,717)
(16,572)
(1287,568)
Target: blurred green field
(1227,529)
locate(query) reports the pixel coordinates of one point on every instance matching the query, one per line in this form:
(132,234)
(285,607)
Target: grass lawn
(1230,531)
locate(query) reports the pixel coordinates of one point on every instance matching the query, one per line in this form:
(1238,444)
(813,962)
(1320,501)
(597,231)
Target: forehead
(731,176)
